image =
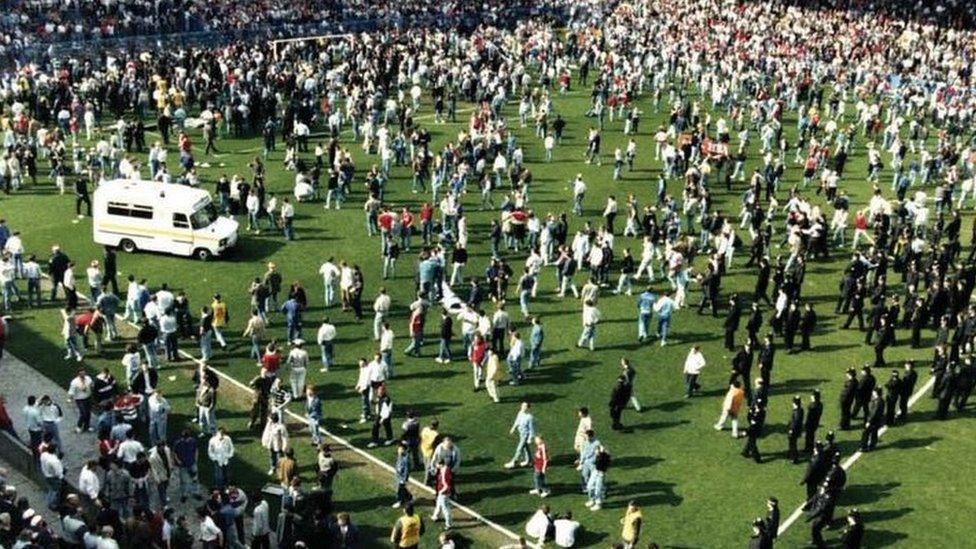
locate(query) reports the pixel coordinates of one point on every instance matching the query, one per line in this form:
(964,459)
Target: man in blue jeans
(645,309)
(524,425)
(536,338)
(664,307)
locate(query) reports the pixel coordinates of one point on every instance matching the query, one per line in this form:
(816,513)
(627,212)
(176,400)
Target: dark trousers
(730,340)
(387,428)
(751,449)
(616,410)
(845,415)
(403,495)
(860,405)
(869,438)
(83,199)
(809,436)
(793,454)
(84,413)
(691,384)
(261,542)
(816,530)
(859,314)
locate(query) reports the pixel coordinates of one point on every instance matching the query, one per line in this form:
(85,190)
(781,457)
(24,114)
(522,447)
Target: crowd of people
(889,81)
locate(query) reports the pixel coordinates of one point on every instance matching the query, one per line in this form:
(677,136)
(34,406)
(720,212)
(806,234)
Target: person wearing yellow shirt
(220,319)
(408,529)
(631,525)
(429,436)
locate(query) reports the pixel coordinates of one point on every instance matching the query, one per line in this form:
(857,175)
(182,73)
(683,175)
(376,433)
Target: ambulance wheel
(202,254)
(127,246)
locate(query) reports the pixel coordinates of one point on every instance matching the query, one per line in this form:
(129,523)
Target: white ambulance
(160,217)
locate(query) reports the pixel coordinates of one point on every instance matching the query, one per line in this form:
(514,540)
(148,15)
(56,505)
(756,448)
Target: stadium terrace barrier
(52,53)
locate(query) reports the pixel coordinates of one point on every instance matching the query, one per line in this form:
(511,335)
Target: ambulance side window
(180,221)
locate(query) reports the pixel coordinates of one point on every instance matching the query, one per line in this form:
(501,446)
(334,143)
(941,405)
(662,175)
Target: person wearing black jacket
(886,338)
(892,393)
(709,286)
(760,538)
(946,391)
(447,333)
(808,323)
(852,536)
(874,320)
(110,265)
(619,398)
(847,397)
(865,388)
(816,471)
(732,322)
(857,308)
(791,326)
(794,429)
(908,381)
(753,432)
(766,355)
(56,266)
(762,283)
(754,324)
(821,514)
(742,367)
(964,384)
(812,423)
(771,523)
(873,422)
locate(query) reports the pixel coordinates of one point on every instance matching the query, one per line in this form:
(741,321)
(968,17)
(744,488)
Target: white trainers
(717,426)
(534,492)
(509,465)
(523,463)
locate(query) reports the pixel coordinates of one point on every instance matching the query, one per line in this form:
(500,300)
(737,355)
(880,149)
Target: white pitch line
(850,461)
(343,442)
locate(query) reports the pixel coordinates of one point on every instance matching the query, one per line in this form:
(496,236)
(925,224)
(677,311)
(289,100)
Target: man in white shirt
(80,390)
(297,362)
(566,529)
(220,449)
(329,272)
(386,348)
(325,337)
(591,316)
(15,247)
(381,307)
(129,449)
(694,364)
(53,471)
(88,481)
(210,533)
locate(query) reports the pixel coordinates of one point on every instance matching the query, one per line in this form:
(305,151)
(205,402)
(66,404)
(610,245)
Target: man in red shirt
(445,487)
(540,464)
(385,221)
(406,228)
(271,360)
(426,222)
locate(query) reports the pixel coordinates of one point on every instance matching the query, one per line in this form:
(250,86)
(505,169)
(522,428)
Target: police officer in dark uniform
(754,324)
(766,355)
(847,395)
(816,471)
(908,381)
(812,423)
(946,391)
(857,308)
(794,429)
(873,422)
(742,367)
(808,323)
(821,514)
(892,393)
(865,389)
(753,432)
(732,322)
